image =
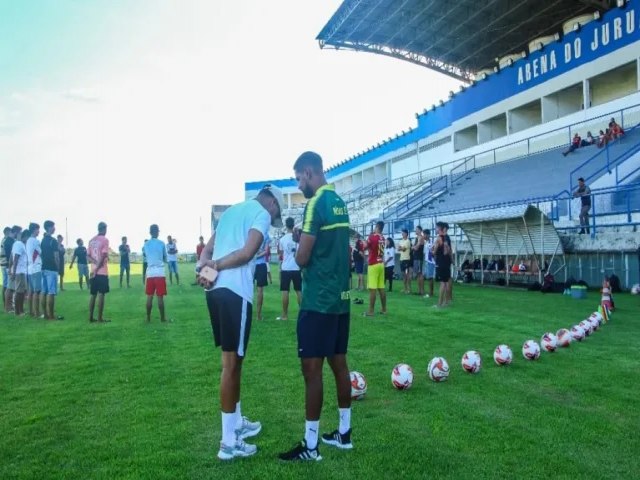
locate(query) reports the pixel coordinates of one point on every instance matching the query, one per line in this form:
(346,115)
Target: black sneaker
(337,439)
(301,453)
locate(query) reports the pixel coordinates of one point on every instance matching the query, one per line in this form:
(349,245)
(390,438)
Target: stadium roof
(458,38)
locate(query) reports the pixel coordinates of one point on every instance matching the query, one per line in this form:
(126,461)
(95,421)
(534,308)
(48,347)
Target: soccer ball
(564,337)
(597,316)
(635,290)
(438,369)
(531,350)
(471,361)
(402,376)
(595,323)
(577,333)
(549,342)
(503,355)
(358,385)
(587,327)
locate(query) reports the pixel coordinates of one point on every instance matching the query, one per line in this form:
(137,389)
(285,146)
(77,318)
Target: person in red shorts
(156,254)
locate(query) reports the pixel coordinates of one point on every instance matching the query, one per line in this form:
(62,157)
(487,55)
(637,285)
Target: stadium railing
(424,194)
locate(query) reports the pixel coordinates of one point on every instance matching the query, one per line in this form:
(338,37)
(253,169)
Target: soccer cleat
(240,449)
(337,439)
(248,429)
(301,453)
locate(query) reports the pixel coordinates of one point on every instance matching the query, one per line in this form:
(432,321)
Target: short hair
(581,179)
(444,225)
(16,229)
(427,231)
(308,160)
(380,225)
(7,230)
(404,230)
(25,234)
(102,227)
(418,227)
(33,227)
(60,237)
(48,224)
(289,223)
(78,241)
(124,238)
(154,229)
(201,237)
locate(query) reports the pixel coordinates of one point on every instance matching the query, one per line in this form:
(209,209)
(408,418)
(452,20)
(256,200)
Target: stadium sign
(574,49)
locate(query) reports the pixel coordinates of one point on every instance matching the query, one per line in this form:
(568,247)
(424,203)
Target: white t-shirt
(20,249)
(289,249)
(428,251)
(390,253)
(171,257)
(34,256)
(232,234)
(154,251)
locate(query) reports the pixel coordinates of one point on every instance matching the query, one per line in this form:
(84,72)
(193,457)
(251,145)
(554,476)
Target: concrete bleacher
(541,175)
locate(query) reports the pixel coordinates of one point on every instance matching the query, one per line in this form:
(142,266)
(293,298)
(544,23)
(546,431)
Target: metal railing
(410,202)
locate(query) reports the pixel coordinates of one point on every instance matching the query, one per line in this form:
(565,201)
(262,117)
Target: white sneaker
(240,449)
(248,429)
(426,296)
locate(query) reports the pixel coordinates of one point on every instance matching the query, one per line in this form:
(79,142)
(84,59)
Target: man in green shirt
(323,321)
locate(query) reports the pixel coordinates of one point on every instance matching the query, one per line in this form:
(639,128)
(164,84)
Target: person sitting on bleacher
(615,130)
(603,138)
(476,264)
(522,267)
(588,141)
(515,267)
(575,143)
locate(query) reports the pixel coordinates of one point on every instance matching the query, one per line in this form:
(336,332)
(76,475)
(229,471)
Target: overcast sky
(149,111)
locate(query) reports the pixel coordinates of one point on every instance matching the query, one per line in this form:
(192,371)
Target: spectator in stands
(466,265)
(515,268)
(588,141)
(358,260)
(389,262)
(584,192)
(477,265)
(615,130)
(575,143)
(404,247)
(603,138)
(522,267)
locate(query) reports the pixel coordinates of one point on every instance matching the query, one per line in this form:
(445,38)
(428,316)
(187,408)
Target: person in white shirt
(429,262)
(172,259)
(34,269)
(389,261)
(290,271)
(231,252)
(156,284)
(19,271)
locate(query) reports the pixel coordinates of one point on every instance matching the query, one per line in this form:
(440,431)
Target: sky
(150,111)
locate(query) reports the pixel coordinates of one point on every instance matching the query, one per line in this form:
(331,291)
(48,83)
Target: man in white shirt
(231,252)
(172,259)
(290,271)
(34,269)
(19,271)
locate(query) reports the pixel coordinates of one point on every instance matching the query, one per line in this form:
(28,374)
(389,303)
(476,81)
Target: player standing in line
(98,254)
(375,272)
(80,253)
(125,264)
(289,270)
(156,254)
(172,258)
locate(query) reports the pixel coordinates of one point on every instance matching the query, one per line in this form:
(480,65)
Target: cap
(276,193)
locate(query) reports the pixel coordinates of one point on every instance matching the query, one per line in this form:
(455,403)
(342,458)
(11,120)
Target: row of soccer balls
(438,368)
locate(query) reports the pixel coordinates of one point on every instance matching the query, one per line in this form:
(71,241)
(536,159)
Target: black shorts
(322,334)
(99,284)
(358,265)
(230,316)
(290,276)
(443,274)
(405,265)
(260,275)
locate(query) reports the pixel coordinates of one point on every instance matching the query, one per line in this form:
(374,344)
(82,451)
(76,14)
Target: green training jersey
(325,279)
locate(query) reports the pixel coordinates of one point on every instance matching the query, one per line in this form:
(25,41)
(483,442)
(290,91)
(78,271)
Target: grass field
(140,401)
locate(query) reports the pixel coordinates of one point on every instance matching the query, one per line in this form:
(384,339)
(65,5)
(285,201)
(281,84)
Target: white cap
(277,194)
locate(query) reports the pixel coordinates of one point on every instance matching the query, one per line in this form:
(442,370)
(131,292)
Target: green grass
(138,401)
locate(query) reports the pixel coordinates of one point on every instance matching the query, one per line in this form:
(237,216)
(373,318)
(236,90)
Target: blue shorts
(49,282)
(5,277)
(35,282)
(429,270)
(359,266)
(173,266)
(83,270)
(125,267)
(322,335)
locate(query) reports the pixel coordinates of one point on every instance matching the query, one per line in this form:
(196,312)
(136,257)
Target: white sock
(238,415)
(311,433)
(345,420)
(229,429)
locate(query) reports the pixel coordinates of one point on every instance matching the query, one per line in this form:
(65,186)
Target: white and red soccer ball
(564,337)
(358,385)
(577,333)
(549,342)
(503,355)
(471,361)
(531,350)
(438,369)
(635,290)
(402,376)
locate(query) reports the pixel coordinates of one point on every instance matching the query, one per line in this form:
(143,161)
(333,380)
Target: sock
(345,420)
(311,433)
(238,415)
(229,428)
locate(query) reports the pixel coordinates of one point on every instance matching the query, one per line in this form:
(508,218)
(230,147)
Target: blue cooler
(578,291)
